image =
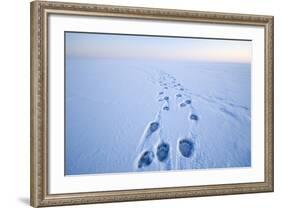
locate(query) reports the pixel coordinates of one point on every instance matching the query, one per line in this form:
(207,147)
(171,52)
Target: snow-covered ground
(126,116)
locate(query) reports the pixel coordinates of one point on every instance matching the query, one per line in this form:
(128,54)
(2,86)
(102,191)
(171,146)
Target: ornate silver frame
(39,103)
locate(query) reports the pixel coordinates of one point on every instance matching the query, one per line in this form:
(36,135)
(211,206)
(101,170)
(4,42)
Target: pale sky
(92,45)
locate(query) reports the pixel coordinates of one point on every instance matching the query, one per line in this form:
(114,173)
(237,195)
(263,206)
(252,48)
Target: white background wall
(14,102)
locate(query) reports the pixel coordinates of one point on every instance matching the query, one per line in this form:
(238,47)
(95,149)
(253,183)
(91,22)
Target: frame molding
(39,103)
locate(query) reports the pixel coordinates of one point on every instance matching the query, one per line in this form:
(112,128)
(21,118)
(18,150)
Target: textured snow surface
(127,116)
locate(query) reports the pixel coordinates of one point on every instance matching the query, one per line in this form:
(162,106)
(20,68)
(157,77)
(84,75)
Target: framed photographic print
(145,103)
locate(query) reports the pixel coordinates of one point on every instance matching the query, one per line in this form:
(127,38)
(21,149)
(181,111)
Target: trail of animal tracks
(152,116)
